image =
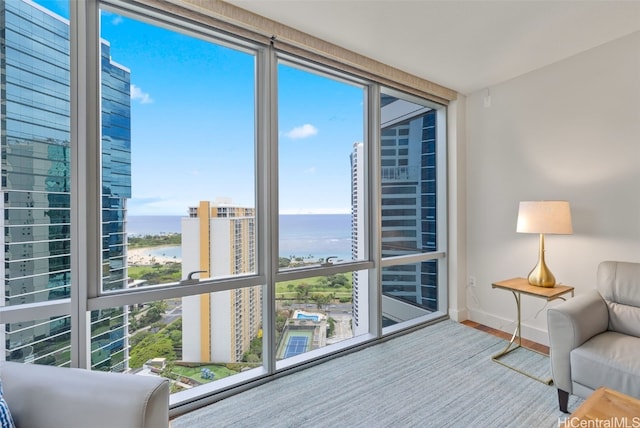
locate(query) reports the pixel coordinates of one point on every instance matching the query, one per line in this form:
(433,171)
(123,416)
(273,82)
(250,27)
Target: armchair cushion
(624,319)
(610,358)
(619,285)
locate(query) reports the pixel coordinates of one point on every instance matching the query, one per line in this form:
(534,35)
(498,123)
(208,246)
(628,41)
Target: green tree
(302,290)
(167,372)
(154,240)
(281,319)
(161,305)
(321,300)
(283,262)
(176,338)
(338,280)
(138,337)
(251,358)
(152,346)
(152,315)
(254,354)
(324,282)
(133,324)
(331,327)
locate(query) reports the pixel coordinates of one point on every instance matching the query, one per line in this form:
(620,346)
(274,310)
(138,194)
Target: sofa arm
(53,397)
(570,324)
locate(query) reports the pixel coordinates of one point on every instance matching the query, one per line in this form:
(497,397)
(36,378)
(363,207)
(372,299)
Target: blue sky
(192,119)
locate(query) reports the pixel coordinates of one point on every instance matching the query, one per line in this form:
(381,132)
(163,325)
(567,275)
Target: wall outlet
(472,281)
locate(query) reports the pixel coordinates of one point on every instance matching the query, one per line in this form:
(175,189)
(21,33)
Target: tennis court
(295,340)
(296,345)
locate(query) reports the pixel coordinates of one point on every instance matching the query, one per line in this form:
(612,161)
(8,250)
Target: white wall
(568,131)
(457,194)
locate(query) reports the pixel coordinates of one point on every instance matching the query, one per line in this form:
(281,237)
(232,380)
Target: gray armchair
(594,338)
(53,397)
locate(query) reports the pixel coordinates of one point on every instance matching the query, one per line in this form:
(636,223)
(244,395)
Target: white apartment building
(218,239)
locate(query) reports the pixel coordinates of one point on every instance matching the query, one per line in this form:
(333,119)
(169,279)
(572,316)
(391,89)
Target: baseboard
(458,315)
(508,325)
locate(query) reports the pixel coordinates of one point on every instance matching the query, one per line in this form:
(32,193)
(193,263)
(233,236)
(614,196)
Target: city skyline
(36,188)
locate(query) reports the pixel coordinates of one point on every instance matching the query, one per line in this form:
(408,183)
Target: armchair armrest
(570,324)
(54,397)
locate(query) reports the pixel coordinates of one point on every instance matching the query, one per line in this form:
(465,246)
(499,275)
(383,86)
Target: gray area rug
(439,376)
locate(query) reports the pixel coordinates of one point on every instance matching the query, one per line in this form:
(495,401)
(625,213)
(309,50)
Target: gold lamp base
(541,276)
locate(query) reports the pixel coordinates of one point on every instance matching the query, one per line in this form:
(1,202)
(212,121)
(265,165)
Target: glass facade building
(36,186)
(408,211)
(408,170)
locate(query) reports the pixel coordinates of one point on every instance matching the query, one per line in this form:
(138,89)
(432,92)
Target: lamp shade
(545,217)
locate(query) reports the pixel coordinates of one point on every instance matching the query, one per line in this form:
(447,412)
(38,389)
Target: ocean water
(304,235)
(315,235)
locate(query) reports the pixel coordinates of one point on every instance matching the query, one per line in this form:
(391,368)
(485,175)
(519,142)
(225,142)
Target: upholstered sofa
(594,338)
(52,397)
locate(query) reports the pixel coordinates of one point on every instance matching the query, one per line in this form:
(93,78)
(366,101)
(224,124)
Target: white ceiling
(463,45)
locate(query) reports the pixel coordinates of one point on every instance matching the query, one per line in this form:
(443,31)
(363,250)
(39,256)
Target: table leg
(517,334)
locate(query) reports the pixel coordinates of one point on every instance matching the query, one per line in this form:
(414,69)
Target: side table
(520,286)
(605,408)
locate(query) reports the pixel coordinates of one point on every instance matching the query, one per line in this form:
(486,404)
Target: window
(253,210)
(36,185)
(321,120)
(409,206)
(178,202)
(178,156)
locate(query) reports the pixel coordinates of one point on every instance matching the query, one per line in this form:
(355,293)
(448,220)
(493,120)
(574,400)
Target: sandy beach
(150,255)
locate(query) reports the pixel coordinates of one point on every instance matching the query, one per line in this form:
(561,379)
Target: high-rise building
(360,300)
(408,214)
(36,185)
(408,208)
(218,239)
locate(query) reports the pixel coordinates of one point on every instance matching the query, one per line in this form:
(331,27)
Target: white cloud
(138,95)
(113,18)
(311,170)
(304,131)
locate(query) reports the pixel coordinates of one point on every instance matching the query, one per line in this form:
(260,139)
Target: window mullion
(268,193)
(443,209)
(85,173)
(373,192)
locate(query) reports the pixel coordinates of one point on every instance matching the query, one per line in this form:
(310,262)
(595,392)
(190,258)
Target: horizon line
(309,212)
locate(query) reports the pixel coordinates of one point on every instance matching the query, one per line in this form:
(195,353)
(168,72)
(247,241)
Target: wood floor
(528,343)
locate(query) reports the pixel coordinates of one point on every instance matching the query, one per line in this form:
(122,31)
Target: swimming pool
(307,317)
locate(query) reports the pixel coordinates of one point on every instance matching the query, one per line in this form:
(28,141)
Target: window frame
(86,230)
(440,254)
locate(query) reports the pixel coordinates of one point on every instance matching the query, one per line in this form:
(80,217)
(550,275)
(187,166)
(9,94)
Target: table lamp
(544,217)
